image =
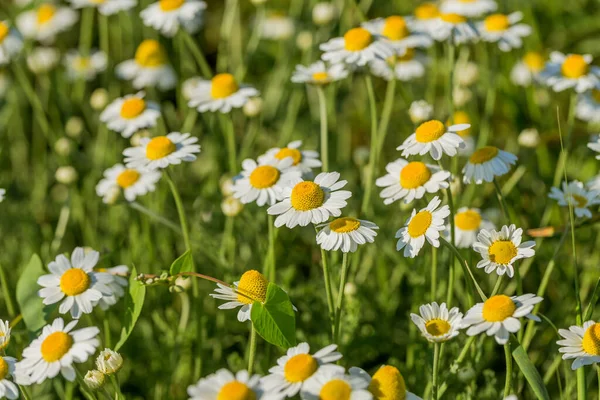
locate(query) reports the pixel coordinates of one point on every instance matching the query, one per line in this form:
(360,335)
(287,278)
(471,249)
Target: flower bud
(420,111)
(109,361)
(226,185)
(42,59)
(74,127)
(231,206)
(99,99)
(66,175)
(304,40)
(529,138)
(94,379)
(63,147)
(136,138)
(323,13)
(253,107)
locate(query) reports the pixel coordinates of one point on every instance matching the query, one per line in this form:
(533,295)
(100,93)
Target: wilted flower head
(109,362)
(94,379)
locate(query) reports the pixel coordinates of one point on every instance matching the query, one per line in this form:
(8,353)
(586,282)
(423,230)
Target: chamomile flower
(581,343)
(424,18)
(335,385)
(406,67)
(161,151)
(387,384)
(397,32)
(225,385)
(346,234)
(411,180)
(588,106)
(298,366)
(304,160)
(504,30)
(85,67)
(76,282)
(499,315)
(356,48)
(167,16)
(131,113)
(251,287)
(56,350)
(133,182)
(105,7)
(264,182)
(221,93)
(500,249)
(453,27)
(45,22)
(527,69)
(319,74)
(109,362)
(7,369)
(487,163)
(437,323)
(461,117)
(149,68)
(117,286)
(571,71)
(42,59)
(434,138)
(469,8)
(4,334)
(10,43)
(425,224)
(574,193)
(468,222)
(306,202)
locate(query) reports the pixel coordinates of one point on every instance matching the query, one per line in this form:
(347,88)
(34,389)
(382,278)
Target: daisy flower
(420,111)
(304,160)
(581,343)
(397,32)
(571,71)
(117,286)
(468,222)
(328,384)
(504,29)
(500,249)
(10,43)
(42,59)
(469,8)
(167,15)
(588,106)
(105,7)
(434,138)
(319,74)
(461,117)
(306,202)
(161,151)
(357,48)
(499,315)
(406,67)
(527,69)
(56,350)
(85,67)
(425,224)
(2,194)
(487,163)
(149,68)
(453,27)
(277,27)
(264,182)
(595,145)
(4,334)
(45,22)
(76,282)
(387,383)
(574,193)
(133,182)
(437,323)
(424,18)
(346,234)
(225,385)
(411,180)
(222,93)
(298,366)
(7,369)
(251,287)
(131,113)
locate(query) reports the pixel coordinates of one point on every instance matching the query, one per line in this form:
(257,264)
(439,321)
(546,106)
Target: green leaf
(531,373)
(134,301)
(275,320)
(184,263)
(35,314)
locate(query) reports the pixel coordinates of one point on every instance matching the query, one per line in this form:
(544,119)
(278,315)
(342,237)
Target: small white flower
(85,67)
(397,32)
(225,385)
(4,334)
(581,343)
(131,113)
(406,67)
(94,379)
(453,27)
(471,8)
(346,234)
(10,43)
(66,174)
(304,160)
(468,222)
(277,27)
(167,16)
(42,59)
(45,22)
(251,287)
(231,206)
(105,7)
(588,106)
(420,111)
(221,93)
(437,323)
(162,151)
(434,138)
(529,138)
(356,48)
(7,369)
(109,362)
(319,74)
(571,71)
(527,69)
(133,182)
(327,384)
(323,13)
(504,30)
(149,68)
(575,194)
(387,383)
(487,163)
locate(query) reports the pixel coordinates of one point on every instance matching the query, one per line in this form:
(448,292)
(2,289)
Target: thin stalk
(86,31)
(497,286)
(508,380)
(328,291)
(115,382)
(256,31)
(34,100)
(162,220)
(197,53)
(386,113)
(252,350)
(324,135)
(372,154)
(340,298)
(502,202)
(490,101)
(450,84)
(451,274)
(229,133)
(436,362)
(10,305)
(465,266)
(433,272)
(270,270)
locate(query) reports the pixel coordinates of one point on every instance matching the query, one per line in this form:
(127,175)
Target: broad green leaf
(134,301)
(184,263)
(35,314)
(275,320)
(531,373)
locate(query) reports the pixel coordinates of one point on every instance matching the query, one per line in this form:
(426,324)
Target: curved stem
(328,292)
(252,350)
(465,266)
(386,113)
(324,135)
(340,298)
(433,272)
(436,361)
(229,133)
(196,53)
(372,154)
(508,380)
(137,206)
(502,201)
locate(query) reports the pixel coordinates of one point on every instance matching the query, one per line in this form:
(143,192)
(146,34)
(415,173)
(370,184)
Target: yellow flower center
(223,85)
(150,54)
(236,391)
(344,225)
(287,152)
(414,175)
(591,340)
(55,346)
(81,63)
(430,131)
(357,39)
(335,389)
(467,1)
(45,13)
(252,287)
(484,154)
(496,23)
(395,28)
(534,61)
(159,147)
(168,5)
(502,251)
(4,30)
(3,341)
(467,220)
(574,66)
(3,368)
(596,95)
(128,178)
(498,308)
(408,55)
(419,224)
(388,384)
(300,367)
(437,327)
(307,196)
(132,107)
(427,11)
(320,77)
(453,18)
(74,281)
(264,176)
(578,201)
(461,117)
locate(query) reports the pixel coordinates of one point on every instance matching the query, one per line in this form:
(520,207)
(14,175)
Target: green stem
(581,385)
(197,53)
(115,382)
(372,154)
(324,135)
(436,362)
(497,286)
(451,274)
(252,350)
(86,31)
(386,113)
(34,100)
(502,202)
(10,306)
(328,291)
(229,133)
(340,299)
(490,102)
(433,272)
(465,266)
(154,216)
(450,83)
(508,380)
(270,261)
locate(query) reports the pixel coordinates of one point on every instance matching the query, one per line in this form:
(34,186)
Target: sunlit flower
(7,369)
(105,7)
(328,384)
(437,323)
(424,18)
(304,160)
(499,315)
(527,69)
(167,16)
(397,32)
(117,286)
(221,93)
(574,193)
(149,68)
(357,48)
(420,111)
(453,27)
(487,163)
(225,385)
(504,30)
(319,74)
(468,222)
(161,151)
(387,384)
(45,22)
(42,59)
(404,68)
(434,138)
(4,334)
(425,224)
(469,8)
(109,362)
(501,249)
(251,287)
(588,106)
(346,234)
(277,27)
(133,182)
(461,117)
(130,113)
(85,67)
(571,71)
(581,343)
(10,42)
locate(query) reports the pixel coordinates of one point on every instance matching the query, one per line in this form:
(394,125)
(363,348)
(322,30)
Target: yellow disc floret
(150,54)
(502,252)
(468,220)
(534,61)
(55,346)
(427,11)
(395,28)
(388,384)
(408,55)
(45,13)
(128,178)
(419,224)
(132,107)
(159,147)
(414,174)
(4,30)
(430,131)
(437,327)
(300,367)
(484,154)
(74,281)
(461,117)
(222,86)
(574,66)
(357,39)
(287,152)
(306,196)
(498,308)
(453,18)
(579,201)
(236,390)
(591,340)
(3,368)
(344,225)
(169,5)
(496,23)
(264,176)
(252,287)
(320,77)
(335,389)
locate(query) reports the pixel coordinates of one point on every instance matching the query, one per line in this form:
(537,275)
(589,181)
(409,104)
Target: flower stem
(502,201)
(252,350)
(372,154)
(433,272)
(386,113)
(229,133)
(269,267)
(328,292)
(451,272)
(137,206)
(196,53)
(340,299)
(508,381)
(180,211)
(324,136)
(450,84)
(465,266)
(10,307)
(436,362)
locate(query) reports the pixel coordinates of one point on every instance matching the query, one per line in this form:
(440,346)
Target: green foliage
(531,373)
(184,263)
(275,320)
(32,309)
(134,302)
